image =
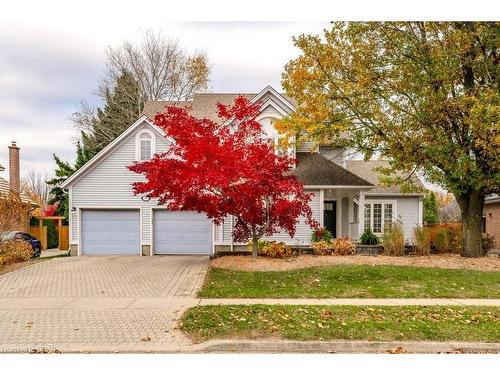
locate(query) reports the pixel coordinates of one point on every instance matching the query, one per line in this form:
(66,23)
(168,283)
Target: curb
(269,346)
(395,347)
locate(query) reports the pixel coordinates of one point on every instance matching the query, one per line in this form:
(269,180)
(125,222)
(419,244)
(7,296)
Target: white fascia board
(101,154)
(266,104)
(275,93)
(273,104)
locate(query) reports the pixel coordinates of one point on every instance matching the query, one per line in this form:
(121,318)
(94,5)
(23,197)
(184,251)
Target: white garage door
(181,232)
(110,232)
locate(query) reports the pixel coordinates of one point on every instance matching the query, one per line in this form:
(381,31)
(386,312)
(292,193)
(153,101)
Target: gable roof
(366,170)
(202,105)
(106,150)
(314,169)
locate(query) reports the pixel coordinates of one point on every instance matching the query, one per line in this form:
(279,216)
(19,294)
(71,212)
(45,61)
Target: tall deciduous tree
(163,69)
(425,95)
(225,168)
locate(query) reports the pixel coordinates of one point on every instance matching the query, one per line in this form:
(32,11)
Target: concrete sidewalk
(181,303)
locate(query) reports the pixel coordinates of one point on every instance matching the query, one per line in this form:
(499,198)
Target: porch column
(339,215)
(321,208)
(350,213)
(361,213)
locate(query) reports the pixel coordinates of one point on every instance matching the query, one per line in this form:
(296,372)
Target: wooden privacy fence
(40,231)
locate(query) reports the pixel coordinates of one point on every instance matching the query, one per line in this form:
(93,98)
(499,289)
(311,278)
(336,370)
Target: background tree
(424,95)
(34,185)
(123,104)
(430,208)
(156,69)
(448,210)
(223,169)
(162,68)
(62,172)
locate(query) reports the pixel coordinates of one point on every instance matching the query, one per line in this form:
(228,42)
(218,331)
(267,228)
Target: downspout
(232,239)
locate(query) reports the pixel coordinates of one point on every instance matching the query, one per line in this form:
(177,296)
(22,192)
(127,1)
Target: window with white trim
(273,138)
(145,145)
(379,215)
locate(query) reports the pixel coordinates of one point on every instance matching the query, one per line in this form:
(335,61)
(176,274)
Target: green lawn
(387,323)
(353,281)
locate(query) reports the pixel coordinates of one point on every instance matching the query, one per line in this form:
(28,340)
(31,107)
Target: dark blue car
(22,236)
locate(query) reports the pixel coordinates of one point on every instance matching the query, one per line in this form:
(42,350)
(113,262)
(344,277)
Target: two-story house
(107,218)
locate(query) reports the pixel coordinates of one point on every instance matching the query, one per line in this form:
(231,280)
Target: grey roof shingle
(203,105)
(5,190)
(366,170)
(313,169)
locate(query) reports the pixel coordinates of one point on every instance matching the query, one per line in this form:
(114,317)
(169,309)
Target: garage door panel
(110,232)
(182,232)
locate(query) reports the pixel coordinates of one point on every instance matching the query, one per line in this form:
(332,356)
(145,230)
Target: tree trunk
(255,246)
(471,206)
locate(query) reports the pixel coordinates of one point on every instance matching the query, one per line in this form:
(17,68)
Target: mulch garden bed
(451,261)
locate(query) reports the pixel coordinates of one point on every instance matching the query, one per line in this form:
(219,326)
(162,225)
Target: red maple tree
(225,168)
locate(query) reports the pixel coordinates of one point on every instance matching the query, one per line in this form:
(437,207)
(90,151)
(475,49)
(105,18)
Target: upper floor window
(272,136)
(145,145)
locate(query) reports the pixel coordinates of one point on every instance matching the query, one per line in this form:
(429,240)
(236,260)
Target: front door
(330,217)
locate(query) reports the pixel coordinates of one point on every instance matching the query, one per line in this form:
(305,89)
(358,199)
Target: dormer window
(145,145)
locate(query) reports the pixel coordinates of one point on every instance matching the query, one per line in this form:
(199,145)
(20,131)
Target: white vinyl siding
(109,184)
(227,230)
(74,226)
(146,218)
(405,210)
(303,231)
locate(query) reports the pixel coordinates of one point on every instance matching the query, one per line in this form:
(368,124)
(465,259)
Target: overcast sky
(48,66)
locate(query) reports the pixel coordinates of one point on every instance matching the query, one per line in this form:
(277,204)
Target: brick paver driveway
(112,303)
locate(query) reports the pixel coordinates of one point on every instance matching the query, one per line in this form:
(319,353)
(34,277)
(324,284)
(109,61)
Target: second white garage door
(181,232)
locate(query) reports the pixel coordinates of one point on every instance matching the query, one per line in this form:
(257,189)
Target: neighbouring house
(491,217)
(13,187)
(106,217)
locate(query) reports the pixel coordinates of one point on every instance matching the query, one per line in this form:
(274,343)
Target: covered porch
(340,211)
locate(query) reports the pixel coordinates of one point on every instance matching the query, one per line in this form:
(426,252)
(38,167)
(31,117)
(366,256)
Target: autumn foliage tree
(424,95)
(225,168)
